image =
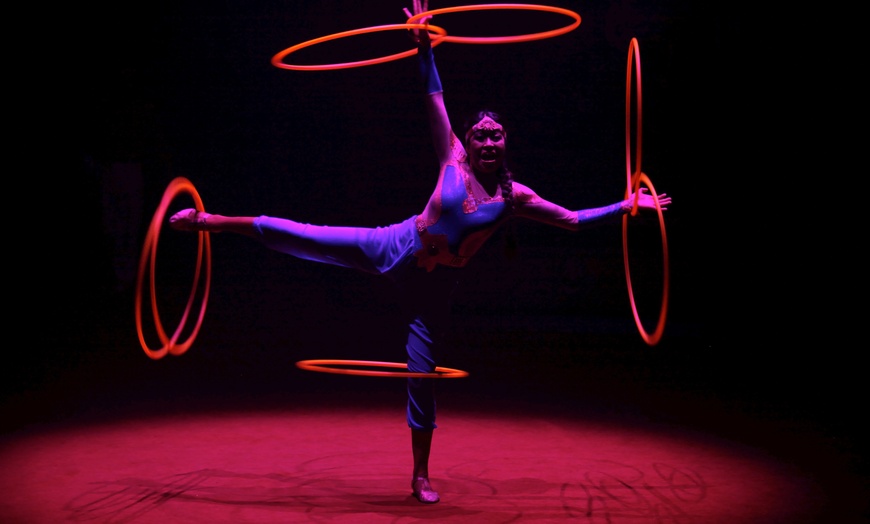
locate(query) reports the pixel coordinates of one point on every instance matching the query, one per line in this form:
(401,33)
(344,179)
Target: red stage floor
(552,425)
(313,459)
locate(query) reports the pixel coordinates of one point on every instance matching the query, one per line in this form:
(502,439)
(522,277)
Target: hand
(419,7)
(646,200)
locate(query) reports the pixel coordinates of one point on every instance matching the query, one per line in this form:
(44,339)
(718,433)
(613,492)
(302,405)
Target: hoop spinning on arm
(634,179)
(439,37)
(278,59)
(149,256)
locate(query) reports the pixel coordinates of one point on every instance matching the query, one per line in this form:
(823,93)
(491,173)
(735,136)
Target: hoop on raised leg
(171,345)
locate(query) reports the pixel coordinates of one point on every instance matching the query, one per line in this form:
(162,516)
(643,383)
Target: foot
(189,220)
(423,491)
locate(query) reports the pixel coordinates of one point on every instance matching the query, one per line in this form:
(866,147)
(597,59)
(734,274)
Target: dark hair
(505,177)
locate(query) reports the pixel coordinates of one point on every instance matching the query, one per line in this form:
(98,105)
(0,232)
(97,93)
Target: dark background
(123,98)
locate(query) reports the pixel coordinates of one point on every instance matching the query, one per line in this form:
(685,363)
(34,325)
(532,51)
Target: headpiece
(485,124)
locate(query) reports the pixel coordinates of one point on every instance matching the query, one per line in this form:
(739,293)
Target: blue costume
(423,253)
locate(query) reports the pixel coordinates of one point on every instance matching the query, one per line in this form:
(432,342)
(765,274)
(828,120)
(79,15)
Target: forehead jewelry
(486,124)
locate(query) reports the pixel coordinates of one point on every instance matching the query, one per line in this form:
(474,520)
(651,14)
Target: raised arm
(439,123)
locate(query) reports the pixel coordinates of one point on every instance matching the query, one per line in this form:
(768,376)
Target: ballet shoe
(423,491)
(189,220)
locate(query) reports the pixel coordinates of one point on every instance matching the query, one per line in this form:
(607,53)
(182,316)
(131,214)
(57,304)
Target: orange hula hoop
(633,62)
(634,179)
(328,366)
(440,36)
(149,257)
(278,59)
(502,39)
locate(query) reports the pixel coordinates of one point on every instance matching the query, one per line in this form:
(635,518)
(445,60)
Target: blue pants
(387,251)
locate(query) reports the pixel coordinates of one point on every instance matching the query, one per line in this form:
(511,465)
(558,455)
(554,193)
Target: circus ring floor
(345,457)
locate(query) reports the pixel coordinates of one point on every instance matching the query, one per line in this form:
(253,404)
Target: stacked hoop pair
(440,35)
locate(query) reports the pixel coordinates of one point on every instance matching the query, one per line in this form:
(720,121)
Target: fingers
(662,197)
(647,201)
(420,7)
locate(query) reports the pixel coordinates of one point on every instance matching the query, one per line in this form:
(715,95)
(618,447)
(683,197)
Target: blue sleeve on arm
(594,216)
(428,71)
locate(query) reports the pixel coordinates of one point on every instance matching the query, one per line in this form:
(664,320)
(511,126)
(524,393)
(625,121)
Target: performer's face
(486,149)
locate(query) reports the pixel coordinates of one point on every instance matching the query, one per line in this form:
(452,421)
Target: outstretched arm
(530,205)
(439,123)
(645,201)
